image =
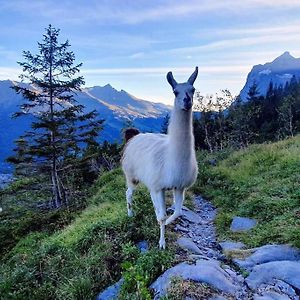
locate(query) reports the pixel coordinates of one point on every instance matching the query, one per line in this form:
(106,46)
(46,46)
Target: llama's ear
(171,80)
(193,77)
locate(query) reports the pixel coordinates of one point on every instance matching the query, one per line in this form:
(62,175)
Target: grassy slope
(262,182)
(79,260)
(86,256)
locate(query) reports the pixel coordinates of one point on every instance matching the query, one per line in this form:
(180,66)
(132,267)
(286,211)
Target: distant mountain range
(115,107)
(279,71)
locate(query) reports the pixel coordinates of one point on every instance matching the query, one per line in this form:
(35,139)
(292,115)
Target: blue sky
(133,44)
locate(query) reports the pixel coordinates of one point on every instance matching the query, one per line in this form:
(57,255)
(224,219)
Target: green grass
(22,214)
(81,259)
(81,253)
(261,182)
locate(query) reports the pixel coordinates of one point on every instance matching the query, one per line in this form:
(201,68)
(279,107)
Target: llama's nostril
(187,103)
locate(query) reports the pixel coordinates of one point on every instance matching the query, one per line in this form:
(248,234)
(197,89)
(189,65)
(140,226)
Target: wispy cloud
(9,73)
(6,54)
(232,43)
(164,70)
(133,12)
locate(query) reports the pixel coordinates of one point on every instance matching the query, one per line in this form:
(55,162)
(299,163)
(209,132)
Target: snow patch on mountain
(265,72)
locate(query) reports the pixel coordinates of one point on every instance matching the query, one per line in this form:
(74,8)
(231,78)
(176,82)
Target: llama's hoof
(130,213)
(162,245)
(169,220)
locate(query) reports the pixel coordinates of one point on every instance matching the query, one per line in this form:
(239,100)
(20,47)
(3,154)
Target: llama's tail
(130,133)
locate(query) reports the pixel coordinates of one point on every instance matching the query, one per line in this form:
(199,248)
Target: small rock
(112,292)
(198,256)
(285,288)
(271,296)
(212,162)
(191,217)
(188,244)
(229,245)
(287,271)
(231,273)
(269,253)
(217,298)
(143,246)
(181,228)
(242,224)
(240,278)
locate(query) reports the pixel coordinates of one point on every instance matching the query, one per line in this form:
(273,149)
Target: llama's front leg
(158,199)
(129,193)
(178,201)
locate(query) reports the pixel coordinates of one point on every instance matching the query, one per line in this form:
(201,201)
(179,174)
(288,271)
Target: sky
(132,44)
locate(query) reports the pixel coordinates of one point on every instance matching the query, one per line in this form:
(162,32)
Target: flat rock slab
(229,245)
(205,271)
(188,244)
(112,292)
(242,224)
(191,216)
(287,271)
(269,253)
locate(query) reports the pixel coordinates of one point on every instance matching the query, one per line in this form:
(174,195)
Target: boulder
(205,271)
(269,253)
(287,271)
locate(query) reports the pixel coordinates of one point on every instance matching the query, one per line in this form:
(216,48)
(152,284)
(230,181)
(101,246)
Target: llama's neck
(180,132)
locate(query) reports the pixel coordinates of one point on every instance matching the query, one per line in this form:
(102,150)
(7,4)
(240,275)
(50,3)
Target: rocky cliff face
(280,71)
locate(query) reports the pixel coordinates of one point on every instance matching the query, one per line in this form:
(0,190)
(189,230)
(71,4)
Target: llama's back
(144,157)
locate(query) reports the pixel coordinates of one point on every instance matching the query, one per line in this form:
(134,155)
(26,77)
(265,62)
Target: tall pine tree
(61,126)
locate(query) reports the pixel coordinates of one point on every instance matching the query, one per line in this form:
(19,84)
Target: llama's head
(183,92)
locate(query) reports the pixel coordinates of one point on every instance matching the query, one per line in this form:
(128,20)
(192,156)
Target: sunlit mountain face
(115,107)
(280,71)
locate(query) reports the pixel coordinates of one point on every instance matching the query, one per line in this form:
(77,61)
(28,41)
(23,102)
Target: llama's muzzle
(187,102)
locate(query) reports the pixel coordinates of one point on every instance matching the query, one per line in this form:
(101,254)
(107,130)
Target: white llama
(164,161)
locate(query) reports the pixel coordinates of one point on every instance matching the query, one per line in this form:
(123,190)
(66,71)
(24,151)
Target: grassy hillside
(81,259)
(78,260)
(262,182)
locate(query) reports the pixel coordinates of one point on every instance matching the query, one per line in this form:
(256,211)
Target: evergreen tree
(287,118)
(61,127)
(22,159)
(238,120)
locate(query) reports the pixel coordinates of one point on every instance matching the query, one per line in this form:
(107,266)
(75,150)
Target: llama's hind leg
(158,199)
(178,202)
(129,193)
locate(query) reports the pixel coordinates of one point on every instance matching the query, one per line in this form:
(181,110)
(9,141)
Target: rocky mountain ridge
(280,71)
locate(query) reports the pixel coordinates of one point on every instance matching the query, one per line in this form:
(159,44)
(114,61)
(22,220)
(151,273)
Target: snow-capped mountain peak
(280,71)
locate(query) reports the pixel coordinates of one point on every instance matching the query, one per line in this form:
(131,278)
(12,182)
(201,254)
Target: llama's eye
(193,90)
(176,93)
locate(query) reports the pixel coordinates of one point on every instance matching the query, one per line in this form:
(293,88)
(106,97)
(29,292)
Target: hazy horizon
(133,44)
